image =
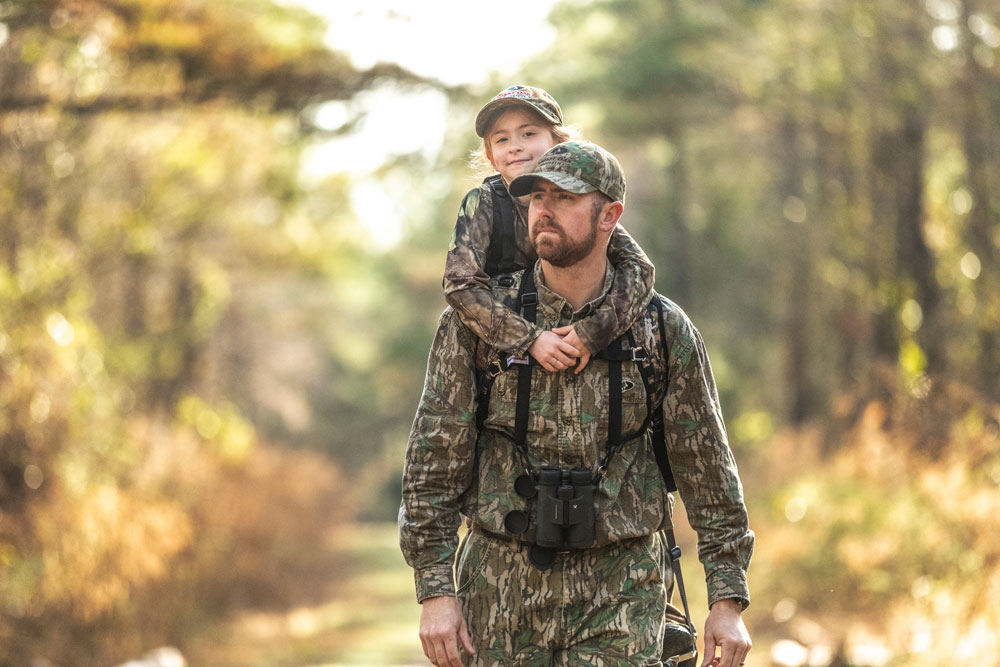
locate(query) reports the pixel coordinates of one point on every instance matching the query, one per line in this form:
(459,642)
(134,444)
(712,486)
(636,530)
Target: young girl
(517,127)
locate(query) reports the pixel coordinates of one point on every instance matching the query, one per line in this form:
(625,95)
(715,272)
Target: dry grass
(885,553)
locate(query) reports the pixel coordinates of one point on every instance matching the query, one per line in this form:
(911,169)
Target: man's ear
(611,213)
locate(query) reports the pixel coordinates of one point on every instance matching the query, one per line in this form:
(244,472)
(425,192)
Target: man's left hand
(724,629)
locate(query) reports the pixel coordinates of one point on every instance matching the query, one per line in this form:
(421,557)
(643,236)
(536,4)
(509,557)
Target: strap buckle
(495,368)
(529,299)
(521,361)
(639,353)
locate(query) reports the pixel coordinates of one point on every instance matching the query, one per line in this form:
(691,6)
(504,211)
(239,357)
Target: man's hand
(569,336)
(724,629)
(553,352)
(442,627)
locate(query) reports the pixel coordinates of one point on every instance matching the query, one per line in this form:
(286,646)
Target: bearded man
(555,474)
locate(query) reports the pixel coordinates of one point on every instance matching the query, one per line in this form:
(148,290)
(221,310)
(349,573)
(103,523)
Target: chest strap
(615,354)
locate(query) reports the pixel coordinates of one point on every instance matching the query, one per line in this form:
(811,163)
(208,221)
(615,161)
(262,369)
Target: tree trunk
(913,254)
(982,154)
(801,399)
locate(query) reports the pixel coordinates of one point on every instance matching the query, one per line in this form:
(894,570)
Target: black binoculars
(564,513)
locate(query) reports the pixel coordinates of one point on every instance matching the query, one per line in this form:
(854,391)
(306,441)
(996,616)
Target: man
(555,473)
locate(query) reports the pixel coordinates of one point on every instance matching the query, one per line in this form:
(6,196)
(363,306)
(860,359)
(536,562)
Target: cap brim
(522,185)
(488,113)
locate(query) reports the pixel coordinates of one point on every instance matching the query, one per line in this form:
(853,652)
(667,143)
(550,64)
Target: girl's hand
(553,352)
(569,336)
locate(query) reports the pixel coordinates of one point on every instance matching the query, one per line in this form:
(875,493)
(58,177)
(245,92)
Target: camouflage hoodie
(452,470)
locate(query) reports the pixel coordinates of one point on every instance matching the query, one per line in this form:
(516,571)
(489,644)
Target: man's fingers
(429,651)
(734,653)
(562,331)
(709,651)
(463,635)
(582,363)
(451,652)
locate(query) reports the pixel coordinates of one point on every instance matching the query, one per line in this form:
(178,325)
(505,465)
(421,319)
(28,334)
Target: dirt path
(372,621)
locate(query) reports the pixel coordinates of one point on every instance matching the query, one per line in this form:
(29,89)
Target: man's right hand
(442,627)
(552,352)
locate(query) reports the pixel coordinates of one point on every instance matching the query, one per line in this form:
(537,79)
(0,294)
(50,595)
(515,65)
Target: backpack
(503,240)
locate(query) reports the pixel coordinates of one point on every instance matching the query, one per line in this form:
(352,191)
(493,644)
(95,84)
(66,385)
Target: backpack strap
(663,462)
(503,242)
(659,432)
(527,304)
(528,300)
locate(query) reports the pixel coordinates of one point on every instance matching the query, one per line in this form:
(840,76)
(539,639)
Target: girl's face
(515,141)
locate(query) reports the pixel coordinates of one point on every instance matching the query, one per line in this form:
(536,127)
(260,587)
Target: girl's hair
(481,164)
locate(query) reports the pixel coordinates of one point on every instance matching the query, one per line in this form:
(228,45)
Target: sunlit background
(222,234)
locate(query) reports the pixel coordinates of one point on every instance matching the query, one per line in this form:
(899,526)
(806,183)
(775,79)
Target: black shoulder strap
(659,433)
(527,304)
(503,243)
(660,451)
(528,301)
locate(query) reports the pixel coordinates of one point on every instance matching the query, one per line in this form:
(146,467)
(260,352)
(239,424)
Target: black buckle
(639,354)
(529,299)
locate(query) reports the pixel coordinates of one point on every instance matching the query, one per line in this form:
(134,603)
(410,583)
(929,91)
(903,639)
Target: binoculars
(564,513)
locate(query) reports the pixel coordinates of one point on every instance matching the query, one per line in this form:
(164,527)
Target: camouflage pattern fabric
(453,471)
(598,606)
(576,166)
(527,97)
(467,287)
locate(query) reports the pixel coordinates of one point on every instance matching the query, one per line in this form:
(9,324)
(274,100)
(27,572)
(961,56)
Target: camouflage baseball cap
(576,166)
(535,99)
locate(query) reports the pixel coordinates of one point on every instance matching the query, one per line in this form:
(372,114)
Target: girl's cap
(535,98)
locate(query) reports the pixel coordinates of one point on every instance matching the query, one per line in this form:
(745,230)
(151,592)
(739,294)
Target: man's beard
(563,253)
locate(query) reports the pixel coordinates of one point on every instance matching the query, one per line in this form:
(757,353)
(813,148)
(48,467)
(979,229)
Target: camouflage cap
(533,98)
(576,166)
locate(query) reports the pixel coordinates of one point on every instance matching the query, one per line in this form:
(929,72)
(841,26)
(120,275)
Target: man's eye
(530,133)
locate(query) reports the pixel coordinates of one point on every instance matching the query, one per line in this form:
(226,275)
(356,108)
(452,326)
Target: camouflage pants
(601,606)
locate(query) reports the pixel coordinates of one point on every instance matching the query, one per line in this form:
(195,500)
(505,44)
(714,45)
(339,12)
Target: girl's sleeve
(467,286)
(630,293)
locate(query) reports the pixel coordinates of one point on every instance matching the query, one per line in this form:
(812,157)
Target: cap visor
(493,109)
(522,185)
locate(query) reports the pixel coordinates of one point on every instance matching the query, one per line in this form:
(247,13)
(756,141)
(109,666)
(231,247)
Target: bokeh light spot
(33,477)
(60,329)
(795,509)
(970,265)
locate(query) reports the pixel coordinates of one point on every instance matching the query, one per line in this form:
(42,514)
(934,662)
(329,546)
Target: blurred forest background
(208,365)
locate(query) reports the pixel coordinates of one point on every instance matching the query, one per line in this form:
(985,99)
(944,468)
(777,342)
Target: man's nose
(539,206)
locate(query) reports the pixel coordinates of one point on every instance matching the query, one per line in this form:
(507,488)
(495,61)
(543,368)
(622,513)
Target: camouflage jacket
(453,471)
(467,287)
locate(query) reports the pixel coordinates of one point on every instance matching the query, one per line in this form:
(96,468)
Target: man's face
(562,224)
